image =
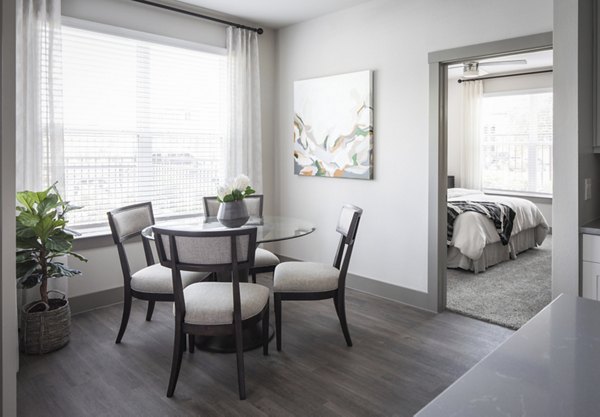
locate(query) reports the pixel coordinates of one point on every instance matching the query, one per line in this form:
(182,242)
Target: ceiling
(535,60)
(274,13)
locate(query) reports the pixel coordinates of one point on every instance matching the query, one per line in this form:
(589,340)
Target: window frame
(103,229)
(140,36)
(543,197)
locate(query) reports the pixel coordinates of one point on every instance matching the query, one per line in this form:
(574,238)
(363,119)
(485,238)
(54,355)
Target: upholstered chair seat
(211,303)
(305,277)
(157,279)
(264,258)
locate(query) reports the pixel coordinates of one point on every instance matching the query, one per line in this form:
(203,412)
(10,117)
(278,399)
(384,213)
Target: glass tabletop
(269,228)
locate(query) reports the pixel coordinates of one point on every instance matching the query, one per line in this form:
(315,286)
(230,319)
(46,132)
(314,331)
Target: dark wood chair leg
(150,310)
(239,352)
(265,331)
(191,343)
(254,277)
(125,318)
(278,320)
(340,309)
(178,348)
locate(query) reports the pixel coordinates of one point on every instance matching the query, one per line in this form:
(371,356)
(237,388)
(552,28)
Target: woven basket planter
(45,331)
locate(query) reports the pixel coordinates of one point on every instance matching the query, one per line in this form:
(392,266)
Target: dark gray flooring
(401,359)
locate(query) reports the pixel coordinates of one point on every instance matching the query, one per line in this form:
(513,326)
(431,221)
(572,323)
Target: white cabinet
(591,267)
(591,276)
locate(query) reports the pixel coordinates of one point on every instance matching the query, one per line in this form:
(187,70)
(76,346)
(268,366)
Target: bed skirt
(495,253)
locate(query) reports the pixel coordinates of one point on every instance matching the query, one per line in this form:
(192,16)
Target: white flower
(241,182)
(223,190)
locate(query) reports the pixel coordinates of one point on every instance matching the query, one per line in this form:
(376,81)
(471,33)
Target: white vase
(233,214)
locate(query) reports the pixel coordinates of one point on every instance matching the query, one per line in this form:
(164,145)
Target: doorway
(439,63)
(500,141)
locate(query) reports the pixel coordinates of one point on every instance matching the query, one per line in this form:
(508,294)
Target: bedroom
(500,152)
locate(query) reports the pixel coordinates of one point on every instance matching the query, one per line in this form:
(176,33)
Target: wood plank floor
(401,359)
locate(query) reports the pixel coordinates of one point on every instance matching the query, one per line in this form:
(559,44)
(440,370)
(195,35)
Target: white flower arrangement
(235,190)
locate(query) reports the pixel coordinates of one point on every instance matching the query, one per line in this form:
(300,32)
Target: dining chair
(264,260)
(213,308)
(152,283)
(315,281)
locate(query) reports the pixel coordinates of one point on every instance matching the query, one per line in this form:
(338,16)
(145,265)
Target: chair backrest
(348,221)
(206,251)
(347,226)
(254,203)
(209,251)
(211,206)
(127,223)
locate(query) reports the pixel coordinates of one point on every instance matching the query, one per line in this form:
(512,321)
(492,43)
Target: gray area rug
(508,294)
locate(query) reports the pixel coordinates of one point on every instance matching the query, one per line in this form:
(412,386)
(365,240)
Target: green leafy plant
(235,190)
(42,236)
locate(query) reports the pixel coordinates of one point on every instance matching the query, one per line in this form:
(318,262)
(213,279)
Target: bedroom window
(517,142)
(144,120)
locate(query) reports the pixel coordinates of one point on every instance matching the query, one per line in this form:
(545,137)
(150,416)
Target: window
(517,142)
(144,120)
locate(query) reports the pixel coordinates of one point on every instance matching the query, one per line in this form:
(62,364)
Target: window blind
(143,121)
(517,142)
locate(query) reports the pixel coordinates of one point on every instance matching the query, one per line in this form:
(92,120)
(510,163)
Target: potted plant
(42,240)
(233,211)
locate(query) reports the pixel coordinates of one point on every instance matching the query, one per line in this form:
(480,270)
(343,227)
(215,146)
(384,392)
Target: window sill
(104,230)
(92,233)
(540,198)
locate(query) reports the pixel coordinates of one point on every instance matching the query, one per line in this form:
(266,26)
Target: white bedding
(473,231)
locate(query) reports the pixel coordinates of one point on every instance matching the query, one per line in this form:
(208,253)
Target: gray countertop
(548,368)
(591,228)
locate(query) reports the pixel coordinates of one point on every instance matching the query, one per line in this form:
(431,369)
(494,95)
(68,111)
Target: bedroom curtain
(39,136)
(470,167)
(244,136)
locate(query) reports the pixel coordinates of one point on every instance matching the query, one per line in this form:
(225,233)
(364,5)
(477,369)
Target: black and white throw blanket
(500,214)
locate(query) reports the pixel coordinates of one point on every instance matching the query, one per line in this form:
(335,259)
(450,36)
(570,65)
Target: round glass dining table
(268,229)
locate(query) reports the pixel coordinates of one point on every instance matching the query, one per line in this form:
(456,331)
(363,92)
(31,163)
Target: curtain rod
(488,77)
(201,16)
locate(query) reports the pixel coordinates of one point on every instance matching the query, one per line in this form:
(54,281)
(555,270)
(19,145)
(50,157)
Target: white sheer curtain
(39,141)
(470,167)
(244,136)
(39,96)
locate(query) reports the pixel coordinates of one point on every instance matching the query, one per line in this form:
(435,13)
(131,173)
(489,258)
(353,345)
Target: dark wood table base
(226,344)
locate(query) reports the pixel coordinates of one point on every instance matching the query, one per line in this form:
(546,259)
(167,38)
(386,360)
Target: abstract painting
(333,126)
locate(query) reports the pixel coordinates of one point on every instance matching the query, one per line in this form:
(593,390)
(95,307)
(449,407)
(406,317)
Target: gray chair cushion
(264,258)
(305,277)
(158,280)
(211,303)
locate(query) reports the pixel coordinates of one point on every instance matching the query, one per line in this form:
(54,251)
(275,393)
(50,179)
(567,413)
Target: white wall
(455,116)
(103,272)
(392,38)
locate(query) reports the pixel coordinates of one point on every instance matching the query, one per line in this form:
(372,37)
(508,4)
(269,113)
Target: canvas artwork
(333,126)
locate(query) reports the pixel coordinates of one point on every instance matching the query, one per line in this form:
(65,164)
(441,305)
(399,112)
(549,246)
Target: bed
(476,244)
